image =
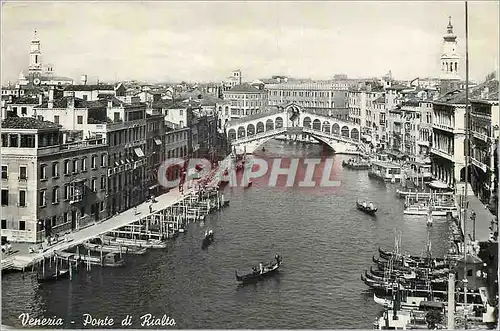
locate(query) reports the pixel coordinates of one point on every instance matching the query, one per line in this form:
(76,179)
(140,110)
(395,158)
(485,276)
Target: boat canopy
(437,184)
(431,305)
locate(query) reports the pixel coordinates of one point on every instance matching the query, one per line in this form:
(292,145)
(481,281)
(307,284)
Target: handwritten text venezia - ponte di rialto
(88,320)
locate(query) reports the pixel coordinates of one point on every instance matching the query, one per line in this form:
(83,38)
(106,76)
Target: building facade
(155,149)
(49,186)
(485,124)
(245,100)
(309,94)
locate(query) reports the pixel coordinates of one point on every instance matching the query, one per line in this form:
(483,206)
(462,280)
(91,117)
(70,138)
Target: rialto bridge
(249,133)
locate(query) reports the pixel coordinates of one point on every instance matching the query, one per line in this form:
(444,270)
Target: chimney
(110,104)
(51,98)
(71,100)
(83,79)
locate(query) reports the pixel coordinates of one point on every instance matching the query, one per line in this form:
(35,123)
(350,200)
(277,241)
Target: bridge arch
(231,134)
(306,122)
(326,127)
(355,134)
(316,125)
(250,130)
(336,129)
(279,122)
(260,127)
(344,132)
(269,125)
(241,132)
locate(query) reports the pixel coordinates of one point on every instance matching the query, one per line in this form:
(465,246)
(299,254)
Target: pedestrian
(150,208)
(135,210)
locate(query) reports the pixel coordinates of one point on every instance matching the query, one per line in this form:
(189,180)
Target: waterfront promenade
(21,258)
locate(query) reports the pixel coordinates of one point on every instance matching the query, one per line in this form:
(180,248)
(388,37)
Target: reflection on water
(325,242)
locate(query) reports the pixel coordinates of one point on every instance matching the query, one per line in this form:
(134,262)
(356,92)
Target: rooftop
(245,88)
(100,87)
(487,91)
(27,123)
(25,101)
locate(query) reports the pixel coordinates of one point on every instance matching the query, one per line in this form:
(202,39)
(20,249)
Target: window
(181,112)
(54,221)
(103,182)
(56,119)
(101,206)
(22,225)
(22,198)
(82,212)
(42,198)
(4,224)
(94,161)
(67,192)
(5,172)
(93,184)
(43,171)
(79,119)
(55,194)
(5,197)
(85,97)
(66,167)
(23,173)
(181,124)
(55,169)
(103,160)
(24,111)
(84,164)
(75,166)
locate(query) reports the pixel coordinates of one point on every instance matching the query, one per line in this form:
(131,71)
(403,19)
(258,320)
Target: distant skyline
(205,41)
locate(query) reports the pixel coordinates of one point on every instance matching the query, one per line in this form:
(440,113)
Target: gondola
(406,265)
(433,274)
(437,284)
(388,255)
(208,240)
(367,209)
(60,274)
(265,271)
(412,290)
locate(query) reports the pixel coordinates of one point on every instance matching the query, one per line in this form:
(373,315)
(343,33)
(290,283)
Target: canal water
(324,241)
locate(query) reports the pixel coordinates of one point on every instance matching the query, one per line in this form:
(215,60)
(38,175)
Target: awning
(122,161)
(117,164)
(138,152)
(437,184)
(157,141)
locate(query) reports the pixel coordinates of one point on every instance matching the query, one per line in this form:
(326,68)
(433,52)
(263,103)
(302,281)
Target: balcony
(480,136)
(442,154)
(78,145)
(443,127)
(423,143)
(479,164)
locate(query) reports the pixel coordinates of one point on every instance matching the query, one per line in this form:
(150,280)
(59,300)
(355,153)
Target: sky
(205,41)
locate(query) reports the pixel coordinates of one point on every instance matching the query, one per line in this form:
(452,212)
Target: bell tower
(35,66)
(449,61)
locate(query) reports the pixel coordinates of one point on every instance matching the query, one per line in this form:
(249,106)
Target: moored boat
(366,207)
(115,249)
(265,271)
(389,255)
(356,165)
